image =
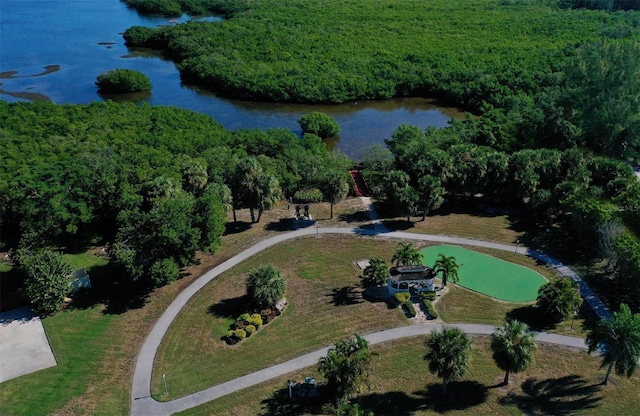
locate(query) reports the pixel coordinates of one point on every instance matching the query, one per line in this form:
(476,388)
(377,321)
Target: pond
(54,50)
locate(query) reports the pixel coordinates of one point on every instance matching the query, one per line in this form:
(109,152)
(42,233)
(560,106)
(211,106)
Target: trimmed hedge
(402,297)
(411,310)
(431,310)
(428,295)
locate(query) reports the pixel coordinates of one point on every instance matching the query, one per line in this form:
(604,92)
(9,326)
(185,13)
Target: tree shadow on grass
(532,316)
(229,308)
(358,216)
(279,404)
(347,295)
(538,321)
(461,395)
(398,225)
(236,227)
(114,288)
(558,396)
(395,403)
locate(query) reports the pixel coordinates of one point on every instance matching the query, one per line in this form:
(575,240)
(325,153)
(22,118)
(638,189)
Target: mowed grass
(325,306)
(560,381)
(471,222)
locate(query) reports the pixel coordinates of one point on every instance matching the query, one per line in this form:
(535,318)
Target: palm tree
(448,266)
(265,286)
(346,367)
(406,255)
(448,354)
(377,271)
(618,338)
(512,347)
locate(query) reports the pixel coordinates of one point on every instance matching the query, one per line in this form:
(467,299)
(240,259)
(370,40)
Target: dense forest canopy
(154,182)
(516,62)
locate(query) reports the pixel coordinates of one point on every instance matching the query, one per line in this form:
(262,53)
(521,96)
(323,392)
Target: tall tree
(406,255)
(168,229)
(254,188)
(334,186)
(448,266)
(346,367)
(400,195)
(512,347)
(265,286)
(559,299)
(618,338)
(431,194)
(377,271)
(448,353)
(47,280)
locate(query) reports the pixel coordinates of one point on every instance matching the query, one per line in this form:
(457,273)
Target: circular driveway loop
(142,404)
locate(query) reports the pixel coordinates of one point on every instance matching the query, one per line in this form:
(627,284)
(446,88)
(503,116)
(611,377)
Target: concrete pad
(362,264)
(24,346)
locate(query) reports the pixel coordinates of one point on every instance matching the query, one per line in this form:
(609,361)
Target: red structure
(359,184)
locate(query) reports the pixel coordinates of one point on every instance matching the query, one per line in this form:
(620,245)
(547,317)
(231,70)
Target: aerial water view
(338,207)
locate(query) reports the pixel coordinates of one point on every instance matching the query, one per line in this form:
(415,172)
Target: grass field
(96,345)
(560,382)
(488,275)
(325,305)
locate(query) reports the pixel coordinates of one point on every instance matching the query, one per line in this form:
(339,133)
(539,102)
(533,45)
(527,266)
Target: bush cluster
(307,196)
(269,314)
(122,81)
(245,326)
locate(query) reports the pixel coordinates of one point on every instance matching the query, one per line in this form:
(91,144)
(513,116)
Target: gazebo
(403,278)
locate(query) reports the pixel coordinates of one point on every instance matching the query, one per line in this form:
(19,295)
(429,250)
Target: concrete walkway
(148,406)
(143,404)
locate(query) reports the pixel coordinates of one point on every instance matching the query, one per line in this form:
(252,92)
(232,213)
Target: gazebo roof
(412,273)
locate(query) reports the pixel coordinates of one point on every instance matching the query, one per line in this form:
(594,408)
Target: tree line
(153,183)
(590,202)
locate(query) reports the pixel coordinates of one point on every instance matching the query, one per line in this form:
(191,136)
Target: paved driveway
(24,346)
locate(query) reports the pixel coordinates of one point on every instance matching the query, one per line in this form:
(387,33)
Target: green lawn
(559,382)
(489,275)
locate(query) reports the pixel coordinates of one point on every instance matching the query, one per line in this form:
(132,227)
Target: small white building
(403,278)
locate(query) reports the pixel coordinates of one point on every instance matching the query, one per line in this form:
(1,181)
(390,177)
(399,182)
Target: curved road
(142,404)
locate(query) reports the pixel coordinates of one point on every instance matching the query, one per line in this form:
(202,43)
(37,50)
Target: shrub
(250,330)
(46,281)
(411,310)
(255,320)
(164,272)
(431,311)
(307,196)
(123,80)
(240,334)
(428,295)
(402,297)
(268,315)
(319,124)
(238,325)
